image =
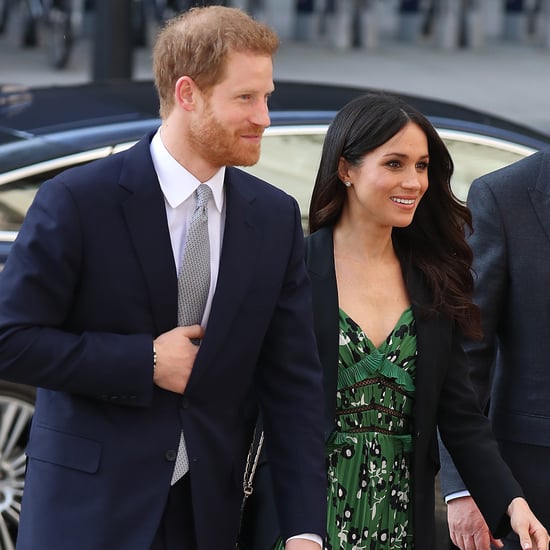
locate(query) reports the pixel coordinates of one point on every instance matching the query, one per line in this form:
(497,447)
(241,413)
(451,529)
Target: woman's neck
(363,242)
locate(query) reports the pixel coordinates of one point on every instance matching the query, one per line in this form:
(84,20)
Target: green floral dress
(369,453)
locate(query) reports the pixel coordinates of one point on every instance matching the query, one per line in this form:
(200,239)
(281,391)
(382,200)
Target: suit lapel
(540,195)
(240,251)
(145,215)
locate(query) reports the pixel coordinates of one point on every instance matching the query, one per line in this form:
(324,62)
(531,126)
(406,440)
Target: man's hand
(176,357)
(467,527)
(532,534)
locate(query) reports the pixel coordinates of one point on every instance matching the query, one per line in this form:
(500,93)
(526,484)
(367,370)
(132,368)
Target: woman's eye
(422,165)
(394,164)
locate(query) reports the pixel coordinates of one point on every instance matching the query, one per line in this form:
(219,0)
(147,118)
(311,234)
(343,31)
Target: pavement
(509,79)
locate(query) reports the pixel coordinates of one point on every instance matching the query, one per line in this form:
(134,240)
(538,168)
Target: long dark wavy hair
(435,241)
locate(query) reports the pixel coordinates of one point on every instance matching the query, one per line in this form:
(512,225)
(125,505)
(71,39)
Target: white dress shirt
(179,186)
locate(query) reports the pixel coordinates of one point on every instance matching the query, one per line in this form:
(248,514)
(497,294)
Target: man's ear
(185,93)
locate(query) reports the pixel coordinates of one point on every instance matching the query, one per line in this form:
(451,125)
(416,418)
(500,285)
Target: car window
(18,188)
(289,160)
(17,196)
(475,155)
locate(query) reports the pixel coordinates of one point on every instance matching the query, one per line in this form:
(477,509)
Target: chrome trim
(123,146)
(55,164)
(303,129)
(498,143)
(8,236)
(445,133)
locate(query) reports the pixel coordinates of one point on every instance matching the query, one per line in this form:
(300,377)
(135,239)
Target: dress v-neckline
(384,342)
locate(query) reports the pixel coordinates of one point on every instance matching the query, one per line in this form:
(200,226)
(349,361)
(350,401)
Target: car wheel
(16,410)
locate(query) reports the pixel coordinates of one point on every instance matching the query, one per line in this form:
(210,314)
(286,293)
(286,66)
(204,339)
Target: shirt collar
(177,183)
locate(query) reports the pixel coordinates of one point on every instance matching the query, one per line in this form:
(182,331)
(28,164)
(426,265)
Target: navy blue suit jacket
(89,283)
(510,366)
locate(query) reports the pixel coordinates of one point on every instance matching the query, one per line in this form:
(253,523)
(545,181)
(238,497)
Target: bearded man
(144,413)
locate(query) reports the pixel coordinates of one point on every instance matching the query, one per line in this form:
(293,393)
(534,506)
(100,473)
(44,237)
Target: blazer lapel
(145,215)
(320,266)
(430,341)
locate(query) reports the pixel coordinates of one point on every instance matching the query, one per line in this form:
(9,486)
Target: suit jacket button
(171,455)
(185,402)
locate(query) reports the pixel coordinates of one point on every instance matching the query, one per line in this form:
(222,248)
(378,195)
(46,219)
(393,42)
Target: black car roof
(322,97)
(60,120)
(40,111)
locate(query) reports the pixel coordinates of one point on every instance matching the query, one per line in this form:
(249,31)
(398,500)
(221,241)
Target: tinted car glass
(289,160)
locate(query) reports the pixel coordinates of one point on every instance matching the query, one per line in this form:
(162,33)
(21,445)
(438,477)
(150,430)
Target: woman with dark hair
(392,286)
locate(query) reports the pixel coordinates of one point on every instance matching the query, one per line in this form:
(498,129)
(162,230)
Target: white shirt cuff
(458,494)
(309,536)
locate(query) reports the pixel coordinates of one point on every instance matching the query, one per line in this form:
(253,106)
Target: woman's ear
(343,169)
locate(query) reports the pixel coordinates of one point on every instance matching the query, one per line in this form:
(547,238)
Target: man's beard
(222,147)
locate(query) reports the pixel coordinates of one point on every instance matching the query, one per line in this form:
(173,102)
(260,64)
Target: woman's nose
(413,179)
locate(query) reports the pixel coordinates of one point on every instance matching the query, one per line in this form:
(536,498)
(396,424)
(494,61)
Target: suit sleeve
(292,401)
(490,276)
(39,287)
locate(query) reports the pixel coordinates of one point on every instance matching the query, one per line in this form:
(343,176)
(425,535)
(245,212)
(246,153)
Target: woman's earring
(347,183)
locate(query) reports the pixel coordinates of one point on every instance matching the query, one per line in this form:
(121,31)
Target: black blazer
(444,398)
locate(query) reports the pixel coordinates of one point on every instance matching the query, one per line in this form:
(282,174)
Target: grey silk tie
(193,287)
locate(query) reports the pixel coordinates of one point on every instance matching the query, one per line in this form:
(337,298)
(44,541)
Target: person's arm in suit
(39,288)
(291,400)
(490,275)
(467,433)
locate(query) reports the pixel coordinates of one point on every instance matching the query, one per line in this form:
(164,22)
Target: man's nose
(261,115)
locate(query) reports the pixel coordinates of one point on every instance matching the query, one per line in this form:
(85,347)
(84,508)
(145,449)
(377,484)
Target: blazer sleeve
(468,436)
(490,275)
(39,287)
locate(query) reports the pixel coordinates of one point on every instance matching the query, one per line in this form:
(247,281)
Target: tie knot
(203,195)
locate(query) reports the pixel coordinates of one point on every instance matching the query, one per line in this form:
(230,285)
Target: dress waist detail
(371,364)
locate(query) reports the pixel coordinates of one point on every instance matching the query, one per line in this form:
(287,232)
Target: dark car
(46,130)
